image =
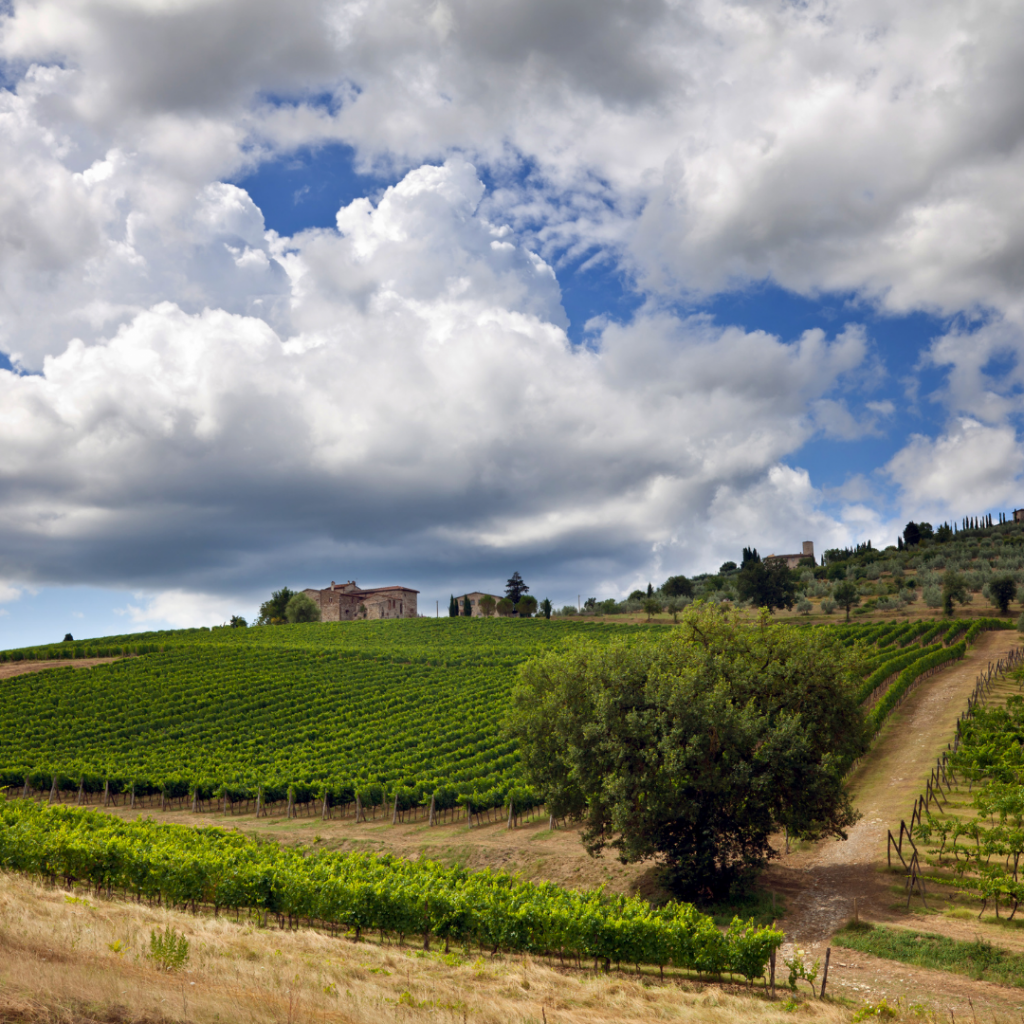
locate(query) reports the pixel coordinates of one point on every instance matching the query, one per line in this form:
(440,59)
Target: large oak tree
(696,746)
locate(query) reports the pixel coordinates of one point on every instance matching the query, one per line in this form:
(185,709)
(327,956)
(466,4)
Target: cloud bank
(199,404)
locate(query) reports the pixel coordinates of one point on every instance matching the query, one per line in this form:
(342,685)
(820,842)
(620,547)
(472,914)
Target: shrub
(828,606)
(168,950)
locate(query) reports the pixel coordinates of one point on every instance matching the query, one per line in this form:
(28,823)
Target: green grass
(979,959)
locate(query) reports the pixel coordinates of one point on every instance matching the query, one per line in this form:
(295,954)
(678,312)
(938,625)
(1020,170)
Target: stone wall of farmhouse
(387,603)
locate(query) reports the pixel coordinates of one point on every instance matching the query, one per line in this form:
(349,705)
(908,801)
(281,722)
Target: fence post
(824,977)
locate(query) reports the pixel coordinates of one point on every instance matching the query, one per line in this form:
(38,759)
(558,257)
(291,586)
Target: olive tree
(1003,589)
(846,596)
(954,588)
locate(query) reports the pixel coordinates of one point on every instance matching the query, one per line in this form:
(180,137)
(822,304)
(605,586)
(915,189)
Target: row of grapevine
(910,675)
(198,868)
(890,667)
(73,651)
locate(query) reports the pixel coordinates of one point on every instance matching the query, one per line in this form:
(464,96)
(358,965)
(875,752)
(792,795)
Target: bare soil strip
(820,881)
(8,669)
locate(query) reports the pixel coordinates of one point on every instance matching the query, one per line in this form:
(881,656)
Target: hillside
(347,709)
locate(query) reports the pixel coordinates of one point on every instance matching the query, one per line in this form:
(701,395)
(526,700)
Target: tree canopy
(1003,590)
(768,584)
(674,586)
(697,745)
(846,596)
(515,588)
(273,612)
(302,608)
(954,588)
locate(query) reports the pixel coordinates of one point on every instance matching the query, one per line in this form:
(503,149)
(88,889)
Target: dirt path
(821,881)
(9,669)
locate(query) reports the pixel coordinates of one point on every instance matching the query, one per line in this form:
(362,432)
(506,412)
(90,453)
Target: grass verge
(979,960)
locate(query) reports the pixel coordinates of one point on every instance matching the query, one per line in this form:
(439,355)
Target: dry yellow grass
(85,961)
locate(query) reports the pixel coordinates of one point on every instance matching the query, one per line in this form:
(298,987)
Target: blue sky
(427,308)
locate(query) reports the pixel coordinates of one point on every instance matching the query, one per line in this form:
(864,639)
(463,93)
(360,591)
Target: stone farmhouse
(794,560)
(343,602)
(474,602)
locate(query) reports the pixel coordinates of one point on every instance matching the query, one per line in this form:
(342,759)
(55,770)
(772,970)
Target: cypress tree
(453,607)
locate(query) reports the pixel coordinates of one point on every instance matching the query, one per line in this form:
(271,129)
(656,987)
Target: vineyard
(223,871)
(407,713)
(970,821)
(334,719)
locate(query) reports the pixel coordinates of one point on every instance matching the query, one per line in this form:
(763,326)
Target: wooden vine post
(290,813)
(106,792)
(133,797)
(323,810)
(359,807)
(511,805)
(824,976)
(259,799)
(81,791)
(394,813)
(53,790)
(195,799)
(433,797)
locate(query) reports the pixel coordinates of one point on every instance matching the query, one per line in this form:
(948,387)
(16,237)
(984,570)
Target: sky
(425,293)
